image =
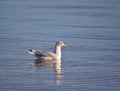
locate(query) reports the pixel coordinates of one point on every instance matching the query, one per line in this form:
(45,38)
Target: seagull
(44,55)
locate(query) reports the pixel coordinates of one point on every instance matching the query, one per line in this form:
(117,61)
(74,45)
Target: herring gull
(56,54)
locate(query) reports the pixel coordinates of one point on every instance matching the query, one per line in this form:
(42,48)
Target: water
(91,29)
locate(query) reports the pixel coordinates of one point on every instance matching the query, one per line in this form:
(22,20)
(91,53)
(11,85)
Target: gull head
(61,44)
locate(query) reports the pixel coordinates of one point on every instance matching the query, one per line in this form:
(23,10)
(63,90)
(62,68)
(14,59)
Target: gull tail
(31,51)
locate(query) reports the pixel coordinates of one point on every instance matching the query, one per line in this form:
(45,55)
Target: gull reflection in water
(56,64)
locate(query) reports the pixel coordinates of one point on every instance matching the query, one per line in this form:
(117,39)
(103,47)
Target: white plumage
(56,54)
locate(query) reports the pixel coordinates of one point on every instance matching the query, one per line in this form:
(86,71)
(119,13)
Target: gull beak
(65,46)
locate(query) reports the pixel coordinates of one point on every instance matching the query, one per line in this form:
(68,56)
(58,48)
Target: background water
(91,29)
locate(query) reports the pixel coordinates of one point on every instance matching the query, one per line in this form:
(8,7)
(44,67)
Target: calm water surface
(91,29)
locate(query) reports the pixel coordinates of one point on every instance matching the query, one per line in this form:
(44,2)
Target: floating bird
(55,55)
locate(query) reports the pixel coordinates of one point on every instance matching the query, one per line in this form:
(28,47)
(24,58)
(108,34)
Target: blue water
(91,29)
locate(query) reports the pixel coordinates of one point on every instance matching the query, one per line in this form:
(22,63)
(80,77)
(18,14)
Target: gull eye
(61,43)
